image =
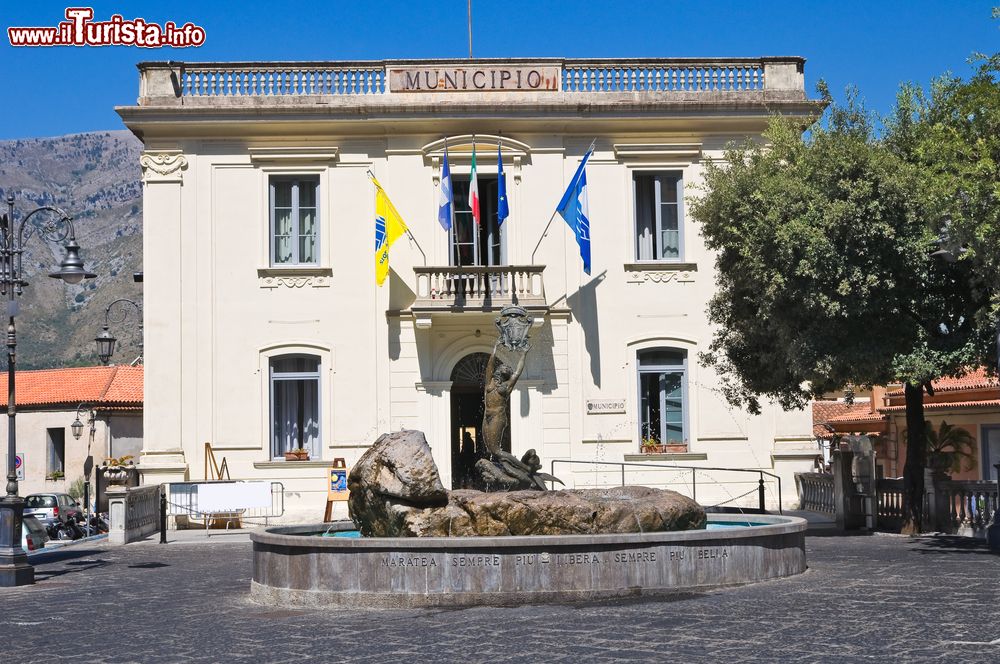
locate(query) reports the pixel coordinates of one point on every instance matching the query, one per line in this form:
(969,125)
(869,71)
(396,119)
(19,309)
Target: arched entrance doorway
(467,383)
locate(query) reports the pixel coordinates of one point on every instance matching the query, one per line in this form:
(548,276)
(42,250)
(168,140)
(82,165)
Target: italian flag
(474,187)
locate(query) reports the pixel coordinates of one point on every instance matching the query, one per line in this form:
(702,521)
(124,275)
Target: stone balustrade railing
(964,507)
(890,506)
(663,76)
(133,513)
(595,76)
(815,492)
(476,287)
(271,80)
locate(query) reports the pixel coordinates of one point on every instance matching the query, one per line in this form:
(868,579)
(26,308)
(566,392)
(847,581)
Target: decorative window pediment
(515,152)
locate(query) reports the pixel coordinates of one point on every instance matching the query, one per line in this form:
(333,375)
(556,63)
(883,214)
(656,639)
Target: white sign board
(19,466)
(604,406)
(233,496)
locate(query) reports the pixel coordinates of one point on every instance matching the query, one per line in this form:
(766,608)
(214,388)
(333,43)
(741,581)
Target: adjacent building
(107,402)
(264,328)
(970,403)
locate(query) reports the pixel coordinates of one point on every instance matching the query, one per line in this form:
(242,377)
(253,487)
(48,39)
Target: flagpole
(554,212)
(371,176)
(470,29)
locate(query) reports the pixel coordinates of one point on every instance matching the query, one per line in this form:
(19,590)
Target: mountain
(95,177)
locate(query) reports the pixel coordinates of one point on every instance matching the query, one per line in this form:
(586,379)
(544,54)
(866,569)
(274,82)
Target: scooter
(98,523)
(63,530)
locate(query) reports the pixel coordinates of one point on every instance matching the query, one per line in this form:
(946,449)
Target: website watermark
(79,29)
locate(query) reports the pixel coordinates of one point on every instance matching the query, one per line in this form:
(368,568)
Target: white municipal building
(266,332)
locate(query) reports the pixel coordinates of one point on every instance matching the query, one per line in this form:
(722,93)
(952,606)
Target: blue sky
(872,45)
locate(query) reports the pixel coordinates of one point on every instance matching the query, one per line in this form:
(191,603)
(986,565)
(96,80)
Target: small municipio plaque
(605,406)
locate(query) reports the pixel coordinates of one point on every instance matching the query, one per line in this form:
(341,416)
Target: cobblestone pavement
(880,598)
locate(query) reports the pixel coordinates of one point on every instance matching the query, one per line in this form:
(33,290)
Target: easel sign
(336,486)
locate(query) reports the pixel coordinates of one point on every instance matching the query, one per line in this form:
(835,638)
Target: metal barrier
(183,500)
(694,478)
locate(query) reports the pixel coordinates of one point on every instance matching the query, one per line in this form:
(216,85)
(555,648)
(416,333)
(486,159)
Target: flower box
(667,448)
(296,456)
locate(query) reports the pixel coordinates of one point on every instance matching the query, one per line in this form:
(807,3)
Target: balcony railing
(483,288)
(159,80)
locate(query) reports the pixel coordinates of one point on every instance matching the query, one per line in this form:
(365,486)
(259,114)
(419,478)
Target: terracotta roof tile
(859,412)
(119,385)
(974,380)
(126,387)
(823,411)
(944,405)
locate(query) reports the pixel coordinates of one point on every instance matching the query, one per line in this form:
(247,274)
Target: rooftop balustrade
(738,76)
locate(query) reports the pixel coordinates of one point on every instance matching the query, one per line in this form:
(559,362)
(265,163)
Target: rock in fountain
(396,491)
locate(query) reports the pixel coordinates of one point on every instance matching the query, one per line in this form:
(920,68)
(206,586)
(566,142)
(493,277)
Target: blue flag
(574,209)
(445,199)
(502,210)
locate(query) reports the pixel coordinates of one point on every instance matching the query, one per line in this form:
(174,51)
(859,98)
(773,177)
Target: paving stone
(864,599)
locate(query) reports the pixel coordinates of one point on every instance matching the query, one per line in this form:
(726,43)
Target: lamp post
(88,464)
(106,340)
(14,567)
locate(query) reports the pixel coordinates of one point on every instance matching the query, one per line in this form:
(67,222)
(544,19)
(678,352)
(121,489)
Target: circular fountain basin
(295,566)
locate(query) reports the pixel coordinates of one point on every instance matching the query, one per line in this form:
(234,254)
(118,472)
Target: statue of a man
(500,381)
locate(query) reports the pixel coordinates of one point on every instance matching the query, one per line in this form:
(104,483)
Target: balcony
(477,289)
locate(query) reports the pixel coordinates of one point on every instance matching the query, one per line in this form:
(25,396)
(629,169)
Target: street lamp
(14,567)
(105,340)
(88,463)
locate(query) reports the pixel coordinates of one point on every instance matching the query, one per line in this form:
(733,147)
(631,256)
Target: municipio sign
(462,78)
(605,406)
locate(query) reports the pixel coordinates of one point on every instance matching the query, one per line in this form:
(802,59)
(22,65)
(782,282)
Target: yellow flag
(388,227)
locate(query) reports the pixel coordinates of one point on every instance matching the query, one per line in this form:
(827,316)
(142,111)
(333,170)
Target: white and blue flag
(573,208)
(445,198)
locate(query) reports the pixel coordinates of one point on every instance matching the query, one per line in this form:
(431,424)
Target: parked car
(50,507)
(33,534)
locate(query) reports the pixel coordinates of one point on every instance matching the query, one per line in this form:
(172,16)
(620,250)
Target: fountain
(422,545)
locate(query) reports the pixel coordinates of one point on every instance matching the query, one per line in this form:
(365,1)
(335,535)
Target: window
(662,395)
(295,415)
(658,216)
(294,220)
(56,444)
(472,245)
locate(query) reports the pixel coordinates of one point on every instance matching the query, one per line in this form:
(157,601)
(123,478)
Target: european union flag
(502,210)
(574,210)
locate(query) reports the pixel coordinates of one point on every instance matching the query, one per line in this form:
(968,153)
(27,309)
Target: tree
(826,276)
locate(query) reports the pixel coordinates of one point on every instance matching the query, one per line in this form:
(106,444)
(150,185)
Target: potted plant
(56,475)
(950,448)
(651,446)
(116,469)
(298,454)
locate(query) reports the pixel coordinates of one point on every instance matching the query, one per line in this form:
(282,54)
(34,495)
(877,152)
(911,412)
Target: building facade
(108,403)
(266,332)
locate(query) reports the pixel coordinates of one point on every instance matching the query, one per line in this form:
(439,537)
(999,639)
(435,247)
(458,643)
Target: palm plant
(952,445)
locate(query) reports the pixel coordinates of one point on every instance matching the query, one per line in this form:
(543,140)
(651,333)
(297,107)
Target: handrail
(760,488)
(477,269)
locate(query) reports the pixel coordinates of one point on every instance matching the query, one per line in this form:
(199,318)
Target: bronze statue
(503,470)
(500,380)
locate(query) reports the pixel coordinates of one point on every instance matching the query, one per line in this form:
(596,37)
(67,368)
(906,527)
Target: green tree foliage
(825,270)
